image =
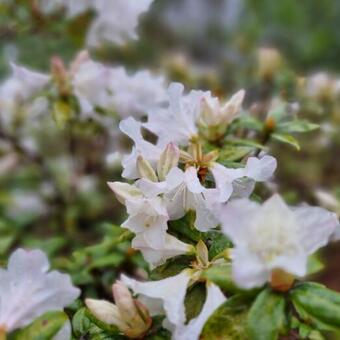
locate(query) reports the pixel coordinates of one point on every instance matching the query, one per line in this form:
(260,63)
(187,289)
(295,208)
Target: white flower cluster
(169,176)
(116,20)
(95,86)
(272,242)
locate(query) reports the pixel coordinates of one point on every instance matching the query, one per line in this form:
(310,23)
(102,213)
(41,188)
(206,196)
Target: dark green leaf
(266,317)
(227,322)
(194,300)
(317,305)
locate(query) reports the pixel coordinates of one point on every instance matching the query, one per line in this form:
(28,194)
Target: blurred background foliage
(210,44)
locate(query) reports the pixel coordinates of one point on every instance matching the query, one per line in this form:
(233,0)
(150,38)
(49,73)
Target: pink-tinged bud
(145,169)
(60,75)
(168,160)
(124,191)
(81,58)
(134,314)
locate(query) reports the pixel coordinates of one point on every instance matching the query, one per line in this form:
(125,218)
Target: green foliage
(286,139)
(194,300)
(266,319)
(227,322)
(43,328)
(317,305)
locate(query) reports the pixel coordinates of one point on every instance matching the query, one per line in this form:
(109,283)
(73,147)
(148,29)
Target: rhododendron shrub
(200,241)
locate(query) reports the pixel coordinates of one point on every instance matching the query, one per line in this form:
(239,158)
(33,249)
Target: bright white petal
(193,329)
(170,292)
(157,256)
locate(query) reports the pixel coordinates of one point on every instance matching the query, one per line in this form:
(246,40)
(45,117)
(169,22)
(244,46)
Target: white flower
(184,192)
(116,21)
(147,214)
(28,290)
(168,295)
(273,237)
(177,122)
(90,83)
(256,169)
(136,94)
(141,147)
(18,89)
(158,255)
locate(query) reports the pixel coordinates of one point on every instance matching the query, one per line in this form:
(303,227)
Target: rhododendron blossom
(28,289)
(273,237)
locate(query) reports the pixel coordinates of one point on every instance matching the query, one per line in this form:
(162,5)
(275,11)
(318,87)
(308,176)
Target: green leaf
(266,317)
(286,139)
(185,230)
(317,305)
(234,153)
(296,126)
(247,122)
(194,300)
(172,267)
(44,328)
(217,242)
(221,276)
(227,322)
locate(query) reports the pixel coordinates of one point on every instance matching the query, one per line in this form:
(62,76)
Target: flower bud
(281,281)
(132,312)
(106,312)
(168,160)
(124,191)
(202,254)
(269,62)
(145,169)
(60,75)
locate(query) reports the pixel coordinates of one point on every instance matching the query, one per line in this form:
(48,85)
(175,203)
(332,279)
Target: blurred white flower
(116,21)
(329,201)
(18,89)
(273,237)
(168,295)
(28,290)
(177,122)
(115,90)
(321,86)
(135,94)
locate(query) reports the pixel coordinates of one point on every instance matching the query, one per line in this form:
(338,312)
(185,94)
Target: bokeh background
(55,197)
